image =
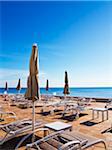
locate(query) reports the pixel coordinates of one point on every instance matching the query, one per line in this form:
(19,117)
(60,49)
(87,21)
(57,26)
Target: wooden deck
(84,123)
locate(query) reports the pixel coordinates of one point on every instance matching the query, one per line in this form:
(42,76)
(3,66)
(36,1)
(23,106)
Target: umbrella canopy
(6,86)
(66,87)
(32,82)
(19,85)
(47,85)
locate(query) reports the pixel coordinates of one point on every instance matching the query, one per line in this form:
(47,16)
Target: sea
(99,92)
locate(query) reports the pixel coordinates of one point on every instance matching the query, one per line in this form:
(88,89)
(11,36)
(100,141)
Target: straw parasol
(66,87)
(47,85)
(6,87)
(19,85)
(32,83)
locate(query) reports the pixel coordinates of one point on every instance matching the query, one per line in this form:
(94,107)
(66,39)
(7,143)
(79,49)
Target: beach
(56,75)
(77,124)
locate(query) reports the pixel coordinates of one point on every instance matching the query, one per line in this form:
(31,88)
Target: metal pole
(33,117)
(65,97)
(33,120)
(65,103)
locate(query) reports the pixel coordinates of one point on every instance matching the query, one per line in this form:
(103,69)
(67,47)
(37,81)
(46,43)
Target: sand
(95,129)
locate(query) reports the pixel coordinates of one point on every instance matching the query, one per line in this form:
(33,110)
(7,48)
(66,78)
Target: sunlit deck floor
(94,128)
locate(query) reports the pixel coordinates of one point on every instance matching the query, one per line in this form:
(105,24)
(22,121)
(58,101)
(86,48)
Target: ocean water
(81,92)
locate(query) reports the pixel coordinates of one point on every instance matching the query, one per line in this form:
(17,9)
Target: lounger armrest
(27,136)
(96,142)
(12,114)
(14,123)
(71,143)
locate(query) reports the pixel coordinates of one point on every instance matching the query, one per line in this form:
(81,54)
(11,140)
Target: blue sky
(73,36)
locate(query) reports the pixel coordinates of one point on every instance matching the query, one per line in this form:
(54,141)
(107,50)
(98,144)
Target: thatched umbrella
(18,86)
(66,86)
(47,85)
(32,83)
(6,87)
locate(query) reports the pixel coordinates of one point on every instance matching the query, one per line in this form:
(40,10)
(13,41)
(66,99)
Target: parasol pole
(33,119)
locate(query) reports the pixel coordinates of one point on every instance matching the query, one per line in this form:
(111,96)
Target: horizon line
(69,87)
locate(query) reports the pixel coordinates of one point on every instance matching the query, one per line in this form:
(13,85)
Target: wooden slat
(71,138)
(68,137)
(76,136)
(46,146)
(79,135)
(54,143)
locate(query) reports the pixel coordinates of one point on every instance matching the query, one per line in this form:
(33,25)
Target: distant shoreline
(95,98)
(62,87)
(100,99)
(93,92)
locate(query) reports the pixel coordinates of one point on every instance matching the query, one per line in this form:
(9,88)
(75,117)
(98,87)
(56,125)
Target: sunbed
(17,128)
(109,103)
(8,114)
(63,140)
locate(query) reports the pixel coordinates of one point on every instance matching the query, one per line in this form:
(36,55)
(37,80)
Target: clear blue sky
(72,36)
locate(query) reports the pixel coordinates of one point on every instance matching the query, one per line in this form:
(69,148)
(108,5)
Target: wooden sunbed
(17,128)
(63,140)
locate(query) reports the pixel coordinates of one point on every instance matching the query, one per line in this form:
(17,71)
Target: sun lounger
(63,140)
(70,108)
(14,99)
(8,114)
(53,106)
(24,105)
(86,140)
(74,108)
(109,104)
(85,101)
(17,128)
